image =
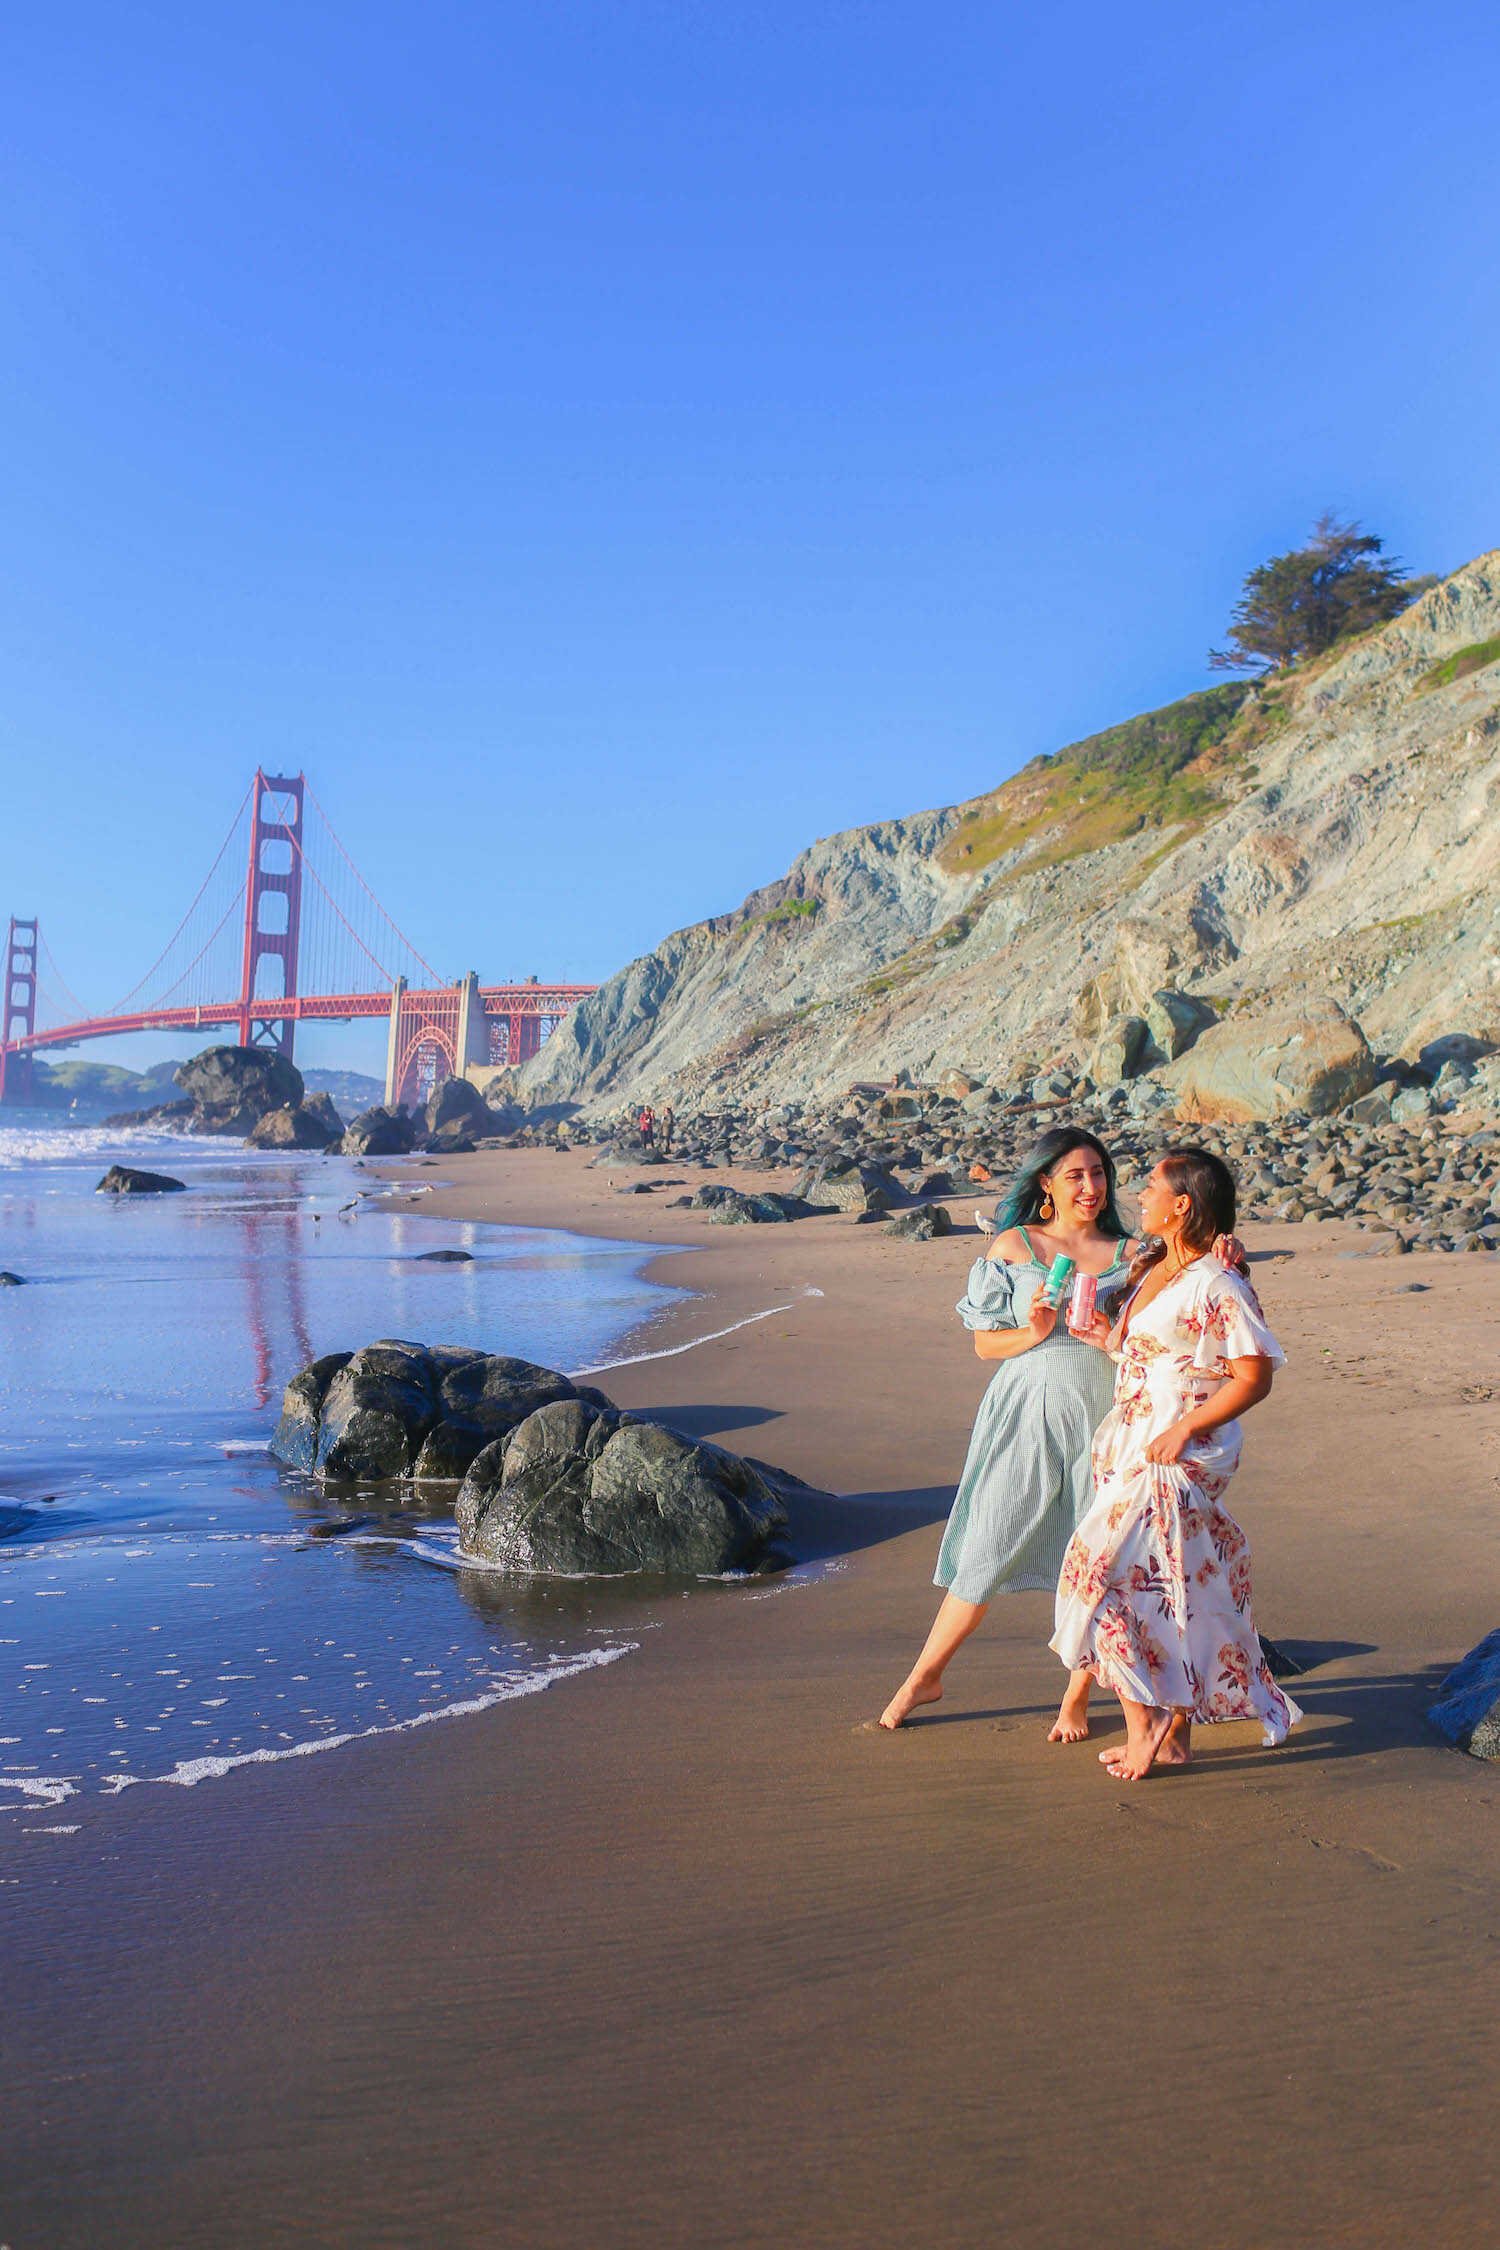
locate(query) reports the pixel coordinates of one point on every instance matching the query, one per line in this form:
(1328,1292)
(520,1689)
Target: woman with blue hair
(1027,1483)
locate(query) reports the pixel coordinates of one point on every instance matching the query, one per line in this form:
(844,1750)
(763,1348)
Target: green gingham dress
(1026,1484)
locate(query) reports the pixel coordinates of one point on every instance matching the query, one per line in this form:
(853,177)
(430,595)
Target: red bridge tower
(273,907)
(20,1007)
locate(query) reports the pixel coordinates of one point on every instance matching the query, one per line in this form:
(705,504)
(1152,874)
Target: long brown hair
(1208,1183)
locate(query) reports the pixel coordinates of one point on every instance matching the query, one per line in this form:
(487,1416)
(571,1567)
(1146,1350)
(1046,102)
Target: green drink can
(1055,1287)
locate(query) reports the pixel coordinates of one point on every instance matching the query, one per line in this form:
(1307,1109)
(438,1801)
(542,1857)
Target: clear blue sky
(609,446)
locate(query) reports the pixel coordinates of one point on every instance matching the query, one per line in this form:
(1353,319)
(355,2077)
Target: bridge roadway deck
(338,1007)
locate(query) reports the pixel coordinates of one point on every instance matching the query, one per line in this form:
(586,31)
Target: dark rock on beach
(452,1139)
(1467,1713)
(120,1179)
(379,1132)
(300,1126)
(445,1258)
(582,1491)
(733,1207)
(457,1103)
(921,1223)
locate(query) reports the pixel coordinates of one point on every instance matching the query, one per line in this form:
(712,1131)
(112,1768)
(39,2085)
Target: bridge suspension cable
(51,986)
(405,942)
(121,1006)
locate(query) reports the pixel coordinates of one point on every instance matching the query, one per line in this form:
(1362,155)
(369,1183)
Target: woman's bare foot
(1072,1721)
(1147,1729)
(906,1698)
(1177,1748)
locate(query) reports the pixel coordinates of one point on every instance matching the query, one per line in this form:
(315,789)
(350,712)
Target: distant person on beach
(1025,1485)
(647,1124)
(1154,1597)
(668,1120)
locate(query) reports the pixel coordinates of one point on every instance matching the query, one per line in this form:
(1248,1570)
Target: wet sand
(688,1952)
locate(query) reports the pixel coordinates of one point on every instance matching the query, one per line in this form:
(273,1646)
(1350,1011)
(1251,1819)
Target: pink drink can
(1081,1304)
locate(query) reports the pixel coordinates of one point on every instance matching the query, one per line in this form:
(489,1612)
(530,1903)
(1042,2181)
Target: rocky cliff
(1330,833)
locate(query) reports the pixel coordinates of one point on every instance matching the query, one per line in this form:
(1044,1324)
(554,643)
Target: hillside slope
(1335,832)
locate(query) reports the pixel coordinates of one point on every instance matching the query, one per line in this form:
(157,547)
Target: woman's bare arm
(1009,1343)
(1249,1383)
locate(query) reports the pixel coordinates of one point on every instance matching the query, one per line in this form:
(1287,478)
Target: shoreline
(689,1952)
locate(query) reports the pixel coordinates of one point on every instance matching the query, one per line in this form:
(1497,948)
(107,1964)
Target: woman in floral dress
(1025,1483)
(1154,1597)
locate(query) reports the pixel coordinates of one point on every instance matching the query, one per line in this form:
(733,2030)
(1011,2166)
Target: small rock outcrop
(844,1184)
(121,1179)
(232,1088)
(1313,1058)
(456,1102)
(583,1490)
(453,1139)
(921,1223)
(1467,1713)
(379,1132)
(12,1280)
(733,1207)
(301,1126)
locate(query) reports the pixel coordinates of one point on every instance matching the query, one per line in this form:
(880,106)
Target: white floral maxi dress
(1154,1597)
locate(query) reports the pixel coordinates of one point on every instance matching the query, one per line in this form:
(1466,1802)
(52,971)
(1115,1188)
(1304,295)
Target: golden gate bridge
(283,930)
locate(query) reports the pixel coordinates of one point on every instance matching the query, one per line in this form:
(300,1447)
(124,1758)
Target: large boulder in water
(578,1490)
(296,1439)
(398,1409)
(554,1478)
(121,1179)
(376,1412)
(301,1127)
(379,1132)
(1302,1056)
(232,1088)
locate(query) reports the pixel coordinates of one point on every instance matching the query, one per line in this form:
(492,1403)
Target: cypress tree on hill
(1301,604)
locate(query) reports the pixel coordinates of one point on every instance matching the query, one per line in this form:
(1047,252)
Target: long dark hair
(1024,1202)
(1208,1183)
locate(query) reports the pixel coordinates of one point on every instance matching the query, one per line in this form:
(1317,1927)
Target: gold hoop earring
(1045,1208)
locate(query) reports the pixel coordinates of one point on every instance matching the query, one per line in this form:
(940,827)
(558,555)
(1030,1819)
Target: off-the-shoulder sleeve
(1227,1322)
(987,1302)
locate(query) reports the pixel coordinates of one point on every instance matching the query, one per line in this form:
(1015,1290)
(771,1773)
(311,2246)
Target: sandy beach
(689,1952)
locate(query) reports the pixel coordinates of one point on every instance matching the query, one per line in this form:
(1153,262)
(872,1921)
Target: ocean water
(172,1603)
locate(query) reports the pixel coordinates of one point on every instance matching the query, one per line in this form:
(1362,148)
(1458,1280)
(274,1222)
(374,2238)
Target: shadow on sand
(826,1524)
(1368,1715)
(709,1422)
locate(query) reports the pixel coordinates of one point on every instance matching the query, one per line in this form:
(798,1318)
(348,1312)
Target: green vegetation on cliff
(1460,664)
(1155,771)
